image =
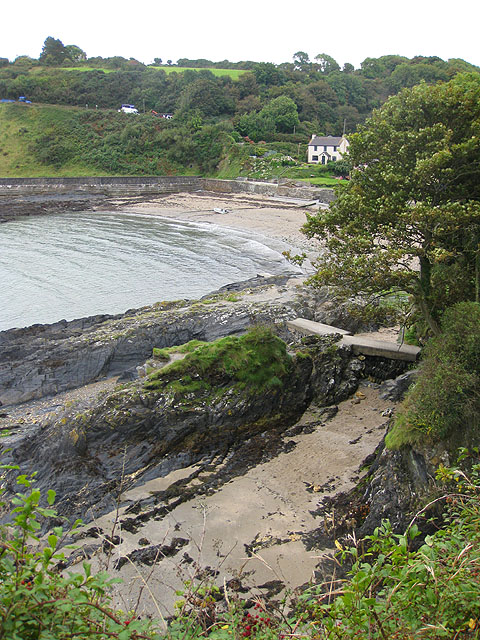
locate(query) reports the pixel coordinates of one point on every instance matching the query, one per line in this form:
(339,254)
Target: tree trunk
(477,275)
(424,294)
(427,315)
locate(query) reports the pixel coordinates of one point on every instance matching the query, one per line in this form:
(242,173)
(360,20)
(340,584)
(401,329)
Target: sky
(259,30)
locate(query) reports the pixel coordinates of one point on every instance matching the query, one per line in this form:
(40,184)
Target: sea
(72,265)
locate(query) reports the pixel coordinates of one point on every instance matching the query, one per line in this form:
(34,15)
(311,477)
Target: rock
(395,389)
(153,554)
(46,359)
(134,434)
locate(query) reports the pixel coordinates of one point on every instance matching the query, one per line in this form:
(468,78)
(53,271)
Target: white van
(128,108)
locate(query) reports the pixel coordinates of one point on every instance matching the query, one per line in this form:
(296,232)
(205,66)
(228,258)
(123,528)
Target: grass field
(323,181)
(233,73)
(86,69)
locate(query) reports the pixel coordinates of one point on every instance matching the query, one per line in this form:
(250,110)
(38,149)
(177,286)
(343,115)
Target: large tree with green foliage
(283,111)
(409,218)
(54,52)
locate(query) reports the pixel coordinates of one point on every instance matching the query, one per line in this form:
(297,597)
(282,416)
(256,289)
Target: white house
(323,149)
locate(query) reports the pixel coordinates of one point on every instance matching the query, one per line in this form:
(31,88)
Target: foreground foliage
(395,588)
(396,592)
(37,600)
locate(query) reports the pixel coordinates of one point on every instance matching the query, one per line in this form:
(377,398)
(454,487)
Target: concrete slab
(393,350)
(309,327)
(361,344)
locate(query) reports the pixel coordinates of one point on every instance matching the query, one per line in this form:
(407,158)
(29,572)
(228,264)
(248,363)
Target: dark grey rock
(132,434)
(47,359)
(395,390)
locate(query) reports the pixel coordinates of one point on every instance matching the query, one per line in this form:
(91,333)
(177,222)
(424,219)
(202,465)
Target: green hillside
(53,140)
(24,129)
(47,140)
(227,117)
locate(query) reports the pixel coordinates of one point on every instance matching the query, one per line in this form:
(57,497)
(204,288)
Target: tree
(256,126)
(301,61)
(75,54)
(409,218)
(268,74)
(408,75)
(53,52)
(326,64)
(283,111)
(207,96)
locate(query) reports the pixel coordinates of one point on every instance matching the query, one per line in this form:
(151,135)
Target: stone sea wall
(111,186)
(285,188)
(138,186)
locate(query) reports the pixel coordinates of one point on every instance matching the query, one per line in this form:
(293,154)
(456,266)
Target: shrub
(39,602)
(393,591)
(446,397)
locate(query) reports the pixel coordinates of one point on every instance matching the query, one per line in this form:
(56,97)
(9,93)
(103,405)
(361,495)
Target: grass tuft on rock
(256,361)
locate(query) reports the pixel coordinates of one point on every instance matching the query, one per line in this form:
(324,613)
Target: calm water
(78,264)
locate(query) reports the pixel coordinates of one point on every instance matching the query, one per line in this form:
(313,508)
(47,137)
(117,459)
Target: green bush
(37,600)
(446,397)
(393,591)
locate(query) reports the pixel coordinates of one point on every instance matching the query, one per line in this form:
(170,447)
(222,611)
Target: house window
(335,147)
(315,147)
(334,158)
(325,147)
(314,158)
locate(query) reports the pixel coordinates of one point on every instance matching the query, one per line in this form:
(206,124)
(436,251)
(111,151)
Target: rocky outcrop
(44,360)
(137,433)
(47,359)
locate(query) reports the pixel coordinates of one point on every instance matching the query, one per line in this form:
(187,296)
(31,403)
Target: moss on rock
(256,361)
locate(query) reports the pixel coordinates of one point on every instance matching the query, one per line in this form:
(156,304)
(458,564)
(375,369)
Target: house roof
(326,140)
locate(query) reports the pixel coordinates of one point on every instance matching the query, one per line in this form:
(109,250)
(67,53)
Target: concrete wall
(284,189)
(130,186)
(98,185)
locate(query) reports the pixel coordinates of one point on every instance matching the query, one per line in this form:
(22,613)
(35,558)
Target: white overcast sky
(260,30)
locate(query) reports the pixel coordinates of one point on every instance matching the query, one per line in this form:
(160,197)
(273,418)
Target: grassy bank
(21,128)
(39,140)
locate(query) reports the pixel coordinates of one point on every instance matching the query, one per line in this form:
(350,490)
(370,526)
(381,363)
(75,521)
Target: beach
(279,219)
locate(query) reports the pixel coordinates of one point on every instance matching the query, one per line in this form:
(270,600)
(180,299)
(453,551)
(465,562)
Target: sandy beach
(279,219)
(256,528)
